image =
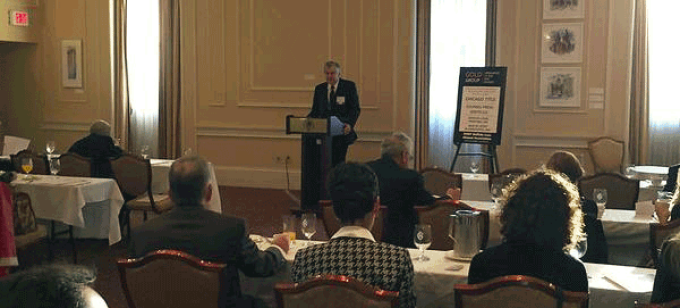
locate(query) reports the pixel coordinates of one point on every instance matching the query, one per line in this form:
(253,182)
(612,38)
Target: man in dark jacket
(99,147)
(400,190)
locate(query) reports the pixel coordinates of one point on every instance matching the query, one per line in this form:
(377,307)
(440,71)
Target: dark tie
(331,98)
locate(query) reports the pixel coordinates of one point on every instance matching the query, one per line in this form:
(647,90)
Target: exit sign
(18,18)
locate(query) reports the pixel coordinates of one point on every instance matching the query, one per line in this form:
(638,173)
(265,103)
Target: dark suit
(378,264)
(99,149)
(546,263)
(667,280)
(400,190)
(598,251)
(212,237)
(345,106)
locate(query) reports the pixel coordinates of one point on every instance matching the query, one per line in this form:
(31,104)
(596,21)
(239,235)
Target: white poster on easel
(479,109)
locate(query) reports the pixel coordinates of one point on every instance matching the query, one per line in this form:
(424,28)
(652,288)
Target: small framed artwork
(562,43)
(71,64)
(563,9)
(560,87)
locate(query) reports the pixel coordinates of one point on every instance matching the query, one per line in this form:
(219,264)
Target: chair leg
(73,244)
(145,217)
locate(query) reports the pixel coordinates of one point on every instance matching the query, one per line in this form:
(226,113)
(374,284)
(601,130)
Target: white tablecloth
(69,200)
(434,282)
(160,169)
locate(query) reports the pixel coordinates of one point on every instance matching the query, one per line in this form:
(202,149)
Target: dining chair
(72,164)
(437,216)
(607,154)
(671,178)
(513,172)
(438,180)
(669,304)
(331,223)
(26,230)
(658,233)
(333,291)
(517,291)
(622,192)
(134,177)
(40,163)
(170,278)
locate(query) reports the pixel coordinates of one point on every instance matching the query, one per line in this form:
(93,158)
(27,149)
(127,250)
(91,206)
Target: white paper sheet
(13,145)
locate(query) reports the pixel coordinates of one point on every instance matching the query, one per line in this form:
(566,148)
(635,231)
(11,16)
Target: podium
(317,139)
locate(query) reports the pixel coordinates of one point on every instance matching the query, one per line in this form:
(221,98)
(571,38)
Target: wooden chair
(40,163)
(658,233)
(438,180)
(514,172)
(517,291)
(331,223)
(438,217)
(72,164)
(671,304)
(333,291)
(23,210)
(672,178)
(607,154)
(622,192)
(133,175)
(170,278)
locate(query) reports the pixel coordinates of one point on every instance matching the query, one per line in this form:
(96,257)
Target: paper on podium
(337,127)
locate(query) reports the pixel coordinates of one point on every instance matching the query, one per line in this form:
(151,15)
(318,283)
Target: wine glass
(54,166)
(308,225)
(581,247)
(27,167)
(423,239)
(50,147)
(496,193)
(144,152)
(474,166)
(600,198)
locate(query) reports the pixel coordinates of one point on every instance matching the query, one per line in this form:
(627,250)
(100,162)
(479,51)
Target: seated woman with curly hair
(540,220)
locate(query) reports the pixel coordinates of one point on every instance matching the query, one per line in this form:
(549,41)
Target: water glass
(581,247)
(289,226)
(50,147)
(474,166)
(308,224)
(422,237)
(55,166)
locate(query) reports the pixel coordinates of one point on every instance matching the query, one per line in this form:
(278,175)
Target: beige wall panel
(211,54)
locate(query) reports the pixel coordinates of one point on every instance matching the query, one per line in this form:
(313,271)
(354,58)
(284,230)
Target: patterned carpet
(262,208)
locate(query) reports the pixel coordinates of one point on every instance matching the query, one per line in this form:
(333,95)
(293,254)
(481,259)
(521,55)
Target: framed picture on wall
(560,87)
(562,9)
(562,43)
(71,64)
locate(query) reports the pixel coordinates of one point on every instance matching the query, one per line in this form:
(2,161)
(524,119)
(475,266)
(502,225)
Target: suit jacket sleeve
(255,262)
(423,197)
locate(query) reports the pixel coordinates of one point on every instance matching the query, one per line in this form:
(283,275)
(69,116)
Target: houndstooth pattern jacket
(379,264)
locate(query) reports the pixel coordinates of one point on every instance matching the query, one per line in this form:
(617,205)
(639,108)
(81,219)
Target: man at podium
(337,97)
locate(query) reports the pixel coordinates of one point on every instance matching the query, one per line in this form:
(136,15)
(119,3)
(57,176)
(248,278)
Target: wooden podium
(317,139)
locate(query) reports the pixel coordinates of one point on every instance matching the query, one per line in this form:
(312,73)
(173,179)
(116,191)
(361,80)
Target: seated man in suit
(192,228)
(352,250)
(64,286)
(540,220)
(99,147)
(667,279)
(401,189)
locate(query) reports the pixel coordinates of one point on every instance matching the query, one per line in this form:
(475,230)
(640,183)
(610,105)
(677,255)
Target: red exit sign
(19,18)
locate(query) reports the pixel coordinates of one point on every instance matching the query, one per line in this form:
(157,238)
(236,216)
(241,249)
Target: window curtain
(441,53)
(664,123)
(119,56)
(638,145)
(170,108)
(143,77)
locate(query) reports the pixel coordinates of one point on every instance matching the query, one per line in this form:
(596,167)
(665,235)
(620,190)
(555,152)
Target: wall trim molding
(269,133)
(66,127)
(550,142)
(286,106)
(257,177)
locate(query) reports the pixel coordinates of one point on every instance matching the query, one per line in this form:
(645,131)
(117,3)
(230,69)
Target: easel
(490,155)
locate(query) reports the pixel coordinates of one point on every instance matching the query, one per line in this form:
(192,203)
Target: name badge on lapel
(340,100)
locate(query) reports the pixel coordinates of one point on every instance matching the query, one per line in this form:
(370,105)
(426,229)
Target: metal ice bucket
(466,229)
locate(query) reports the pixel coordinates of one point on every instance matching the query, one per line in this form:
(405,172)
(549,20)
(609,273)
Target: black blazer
(345,107)
(211,237)
(400,190)
(99,149)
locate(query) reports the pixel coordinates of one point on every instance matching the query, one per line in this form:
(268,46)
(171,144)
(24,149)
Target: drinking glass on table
(580,249)
(144,152)
(474,166)
(50,147)
(54,165)
(496,192)
(600,198)
(308,224)
(422,237)
(289,226)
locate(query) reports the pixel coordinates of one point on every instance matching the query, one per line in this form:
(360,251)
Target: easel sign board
(479,116)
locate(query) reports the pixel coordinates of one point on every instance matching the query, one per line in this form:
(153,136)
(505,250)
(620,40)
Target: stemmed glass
(600,198)
(54,166)
(27,167)
(496,192)
(50,147)
(474,166)
(308,223)
(423,239)
(144,152)
(580,249)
